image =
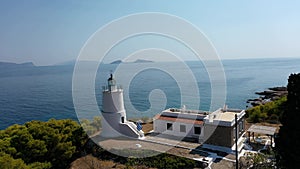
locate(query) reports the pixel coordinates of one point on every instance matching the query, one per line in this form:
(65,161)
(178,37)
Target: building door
(122,119)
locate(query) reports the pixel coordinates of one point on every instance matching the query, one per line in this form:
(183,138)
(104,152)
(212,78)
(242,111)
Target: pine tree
(288,140)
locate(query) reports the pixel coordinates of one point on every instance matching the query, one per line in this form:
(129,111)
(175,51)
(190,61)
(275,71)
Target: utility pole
(236,143)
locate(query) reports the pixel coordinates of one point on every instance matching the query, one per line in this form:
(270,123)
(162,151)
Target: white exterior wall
(112,127)
(112,112)
(160,126)
(110,124)
(112,102)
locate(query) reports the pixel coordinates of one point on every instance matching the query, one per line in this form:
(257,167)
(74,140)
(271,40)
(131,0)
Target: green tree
(63,146)
(97,122)
(8,162)
(269,112)
(287,142)
(42,144)
(39,165)
(91,127)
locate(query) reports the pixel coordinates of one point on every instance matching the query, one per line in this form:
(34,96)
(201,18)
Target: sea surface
(45,92)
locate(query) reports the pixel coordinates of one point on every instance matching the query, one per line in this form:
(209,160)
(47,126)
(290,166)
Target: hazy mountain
(8,69)
(14,65)
(117,62)
(142,61)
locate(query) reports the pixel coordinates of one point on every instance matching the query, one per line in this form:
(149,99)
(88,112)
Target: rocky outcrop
(271,94)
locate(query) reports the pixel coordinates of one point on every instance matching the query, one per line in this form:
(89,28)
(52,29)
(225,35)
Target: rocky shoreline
(266,96)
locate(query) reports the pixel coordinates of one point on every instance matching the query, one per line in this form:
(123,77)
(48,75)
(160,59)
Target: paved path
(210,157)
(160,144)
(174,143)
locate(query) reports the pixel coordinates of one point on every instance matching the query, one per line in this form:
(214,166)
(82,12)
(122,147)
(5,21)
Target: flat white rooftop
(225,116)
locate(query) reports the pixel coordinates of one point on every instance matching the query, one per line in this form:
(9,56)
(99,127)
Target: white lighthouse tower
(114,122)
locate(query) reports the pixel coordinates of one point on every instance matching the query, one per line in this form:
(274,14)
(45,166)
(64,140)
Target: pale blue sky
(49,32)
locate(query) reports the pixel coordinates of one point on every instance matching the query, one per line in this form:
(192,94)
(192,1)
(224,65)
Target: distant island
(117,62)
(136,61)
(10,64)
(8,69)
(142,61)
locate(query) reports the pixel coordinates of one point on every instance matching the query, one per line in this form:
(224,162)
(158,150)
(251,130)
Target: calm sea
(41,93)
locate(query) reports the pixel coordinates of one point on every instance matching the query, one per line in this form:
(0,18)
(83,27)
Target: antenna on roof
(183,108)
(225,108)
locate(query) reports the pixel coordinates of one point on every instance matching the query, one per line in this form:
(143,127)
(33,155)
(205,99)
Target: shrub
(270,112)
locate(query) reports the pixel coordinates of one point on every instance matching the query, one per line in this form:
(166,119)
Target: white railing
(106,88)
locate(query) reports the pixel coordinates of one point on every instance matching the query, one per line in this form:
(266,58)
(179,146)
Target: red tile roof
(178,119)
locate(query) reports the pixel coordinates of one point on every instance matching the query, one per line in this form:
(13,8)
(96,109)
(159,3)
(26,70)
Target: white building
(114,122)
(182,123)
(208,128)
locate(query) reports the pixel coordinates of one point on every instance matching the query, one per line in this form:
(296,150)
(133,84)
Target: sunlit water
(46,92)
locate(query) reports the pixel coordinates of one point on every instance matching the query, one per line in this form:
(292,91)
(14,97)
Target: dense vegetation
(91,127)
(56,143)
(52,144)
(269,112)
(288,140)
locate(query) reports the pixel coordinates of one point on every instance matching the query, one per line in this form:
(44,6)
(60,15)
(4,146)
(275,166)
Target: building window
(197,130)
(182,128)
(169,126)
